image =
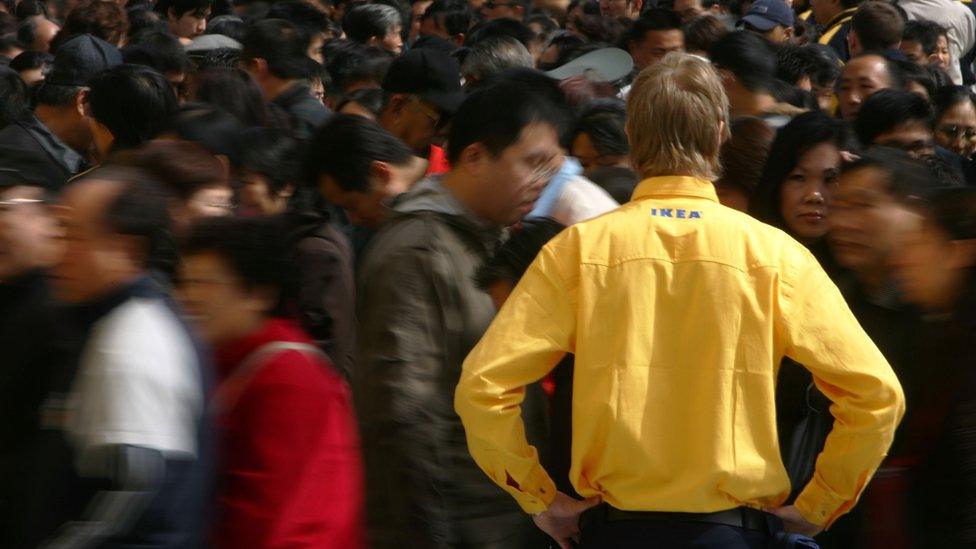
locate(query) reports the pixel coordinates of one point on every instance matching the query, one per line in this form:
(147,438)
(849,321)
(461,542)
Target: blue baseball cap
(766,14)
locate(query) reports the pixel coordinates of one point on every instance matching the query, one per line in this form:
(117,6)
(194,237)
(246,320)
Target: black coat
(31,152)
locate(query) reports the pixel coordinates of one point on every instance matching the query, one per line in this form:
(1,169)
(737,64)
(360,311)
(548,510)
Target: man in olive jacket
(421,313)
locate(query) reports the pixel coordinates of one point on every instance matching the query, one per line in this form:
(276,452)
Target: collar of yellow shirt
(675,185)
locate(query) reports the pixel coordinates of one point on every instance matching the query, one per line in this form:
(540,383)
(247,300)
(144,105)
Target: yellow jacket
(679,311)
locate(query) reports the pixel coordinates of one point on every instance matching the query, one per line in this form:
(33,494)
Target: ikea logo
(676,213)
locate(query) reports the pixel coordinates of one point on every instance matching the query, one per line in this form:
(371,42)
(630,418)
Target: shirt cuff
(534,493)
(822,506)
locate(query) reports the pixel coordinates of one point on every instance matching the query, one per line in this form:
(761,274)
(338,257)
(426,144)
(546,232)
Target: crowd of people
(248,250)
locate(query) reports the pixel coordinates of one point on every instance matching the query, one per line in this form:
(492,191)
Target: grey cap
(80,58)
(210,42)
(604,65)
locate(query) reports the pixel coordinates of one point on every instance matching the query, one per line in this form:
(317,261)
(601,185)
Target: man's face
(655,45)
(315,44)
(502,9)
(365,209)
(414,121)
(778,34)
(393,41)
(189,25)
(416,14)
(509,185)
(619,8)
(864,220)
(688,9)
(914,52)
(95,261)
(913,137)
(862,77)
(28,232)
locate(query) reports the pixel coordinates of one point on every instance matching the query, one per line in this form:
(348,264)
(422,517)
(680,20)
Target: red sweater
(290,471)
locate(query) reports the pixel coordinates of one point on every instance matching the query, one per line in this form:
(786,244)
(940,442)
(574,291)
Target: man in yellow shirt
(678,311)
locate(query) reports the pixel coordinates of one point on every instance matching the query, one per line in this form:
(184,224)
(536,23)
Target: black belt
(740,517)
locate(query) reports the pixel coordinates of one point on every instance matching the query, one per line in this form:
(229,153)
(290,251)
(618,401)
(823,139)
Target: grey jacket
(420,314)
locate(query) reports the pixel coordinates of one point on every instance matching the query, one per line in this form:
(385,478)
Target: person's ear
(81,104)
(380,174)
(474,158)
(458,39)
(788,32)
(287,191)
(374,42)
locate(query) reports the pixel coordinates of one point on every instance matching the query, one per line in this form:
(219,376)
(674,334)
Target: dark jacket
(31,150)
(420,314)
(325,293)
(305,112)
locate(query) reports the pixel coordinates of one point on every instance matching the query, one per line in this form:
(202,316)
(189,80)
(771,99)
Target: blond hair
(673,112)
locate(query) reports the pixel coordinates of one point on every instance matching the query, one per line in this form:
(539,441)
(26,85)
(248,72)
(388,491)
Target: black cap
(81,58)
(431,74)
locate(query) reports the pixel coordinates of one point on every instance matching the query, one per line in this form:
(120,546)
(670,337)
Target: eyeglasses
(429,112)
(6,205)
(544,171)
(955,132)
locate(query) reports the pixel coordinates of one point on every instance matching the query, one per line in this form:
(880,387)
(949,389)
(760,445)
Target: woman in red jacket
(289,473)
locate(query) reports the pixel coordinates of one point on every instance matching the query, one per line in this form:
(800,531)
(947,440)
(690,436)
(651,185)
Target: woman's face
(929,267)
(590,158)
(805,194)
(957,129)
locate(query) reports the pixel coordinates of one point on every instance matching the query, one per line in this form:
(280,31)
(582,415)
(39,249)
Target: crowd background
(245,247)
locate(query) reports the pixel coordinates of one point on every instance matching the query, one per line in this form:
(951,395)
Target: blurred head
(677,119)
(14,101)
(804,165)
(743,156)
(897,119)
(747,64)
(115,221)
(31,66)
(876,26)
(234,270)
(161,51)
(28,230)
(268,171)
(861,78)
(214,129)
(917,78)
(621,9)
(867,209)
(274,51)
(447,19)
(805,68)
(310,18)
(599,138)
(129,105)
(358,166)
(955,127)
(702,33)
(503,149)
(654,35)
(492,56)
(825,10)
(376,25)
(366,102)
(104,19)
(935,263)
(500,274)
(688,10)
(234,91)
(187,19)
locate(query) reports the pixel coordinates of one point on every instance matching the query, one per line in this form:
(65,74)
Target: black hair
(500,27)
(30,8)
(230,26)
(345,148)
(235,91)
(211,127)
(603,120)
(847,4)
(784,92)
(912,73)
(889,109)
(560,114)
(749,57)
(702,32)
(926,33)
(793,63)
(250,246)
(272,153)
(55,95)
(793,141)
(27,30)
(182,7)
(30,60)
(365,21)
(281,44)
(159,50)
(950,96)
(954,211)
(939,76)
(829,66)
(141,209)
(496,115)
(370,99)
(590,7)
(349,66)
(135,103)
(302,14)
(143,19)
(655,19)
(512,259)
(14,101)
(455,15)
(548,25)
(904,176)
(9,41)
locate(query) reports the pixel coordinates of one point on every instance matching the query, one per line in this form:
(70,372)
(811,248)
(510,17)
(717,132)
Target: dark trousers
(635,534)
